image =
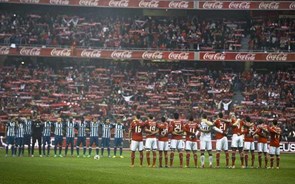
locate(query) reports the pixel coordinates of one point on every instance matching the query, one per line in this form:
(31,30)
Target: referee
(37,128)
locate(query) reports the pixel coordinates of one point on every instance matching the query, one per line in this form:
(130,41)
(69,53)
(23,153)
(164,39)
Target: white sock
(210,160)
(202,159)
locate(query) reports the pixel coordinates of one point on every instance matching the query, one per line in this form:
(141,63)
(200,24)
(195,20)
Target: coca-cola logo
(149,4)
(239,5)
(269,5)
(88,2)
(178,56)
(292,6)
(27,51)
(121,54)
(179,4)
(4,50)
(152,55)
(91,53)
(276,57)
(30,1)
(245,57)
(61,52)
(121,3)
(59,2)
(213,5)
(214,56)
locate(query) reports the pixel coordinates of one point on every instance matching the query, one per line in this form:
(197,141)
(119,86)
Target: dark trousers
(39,144)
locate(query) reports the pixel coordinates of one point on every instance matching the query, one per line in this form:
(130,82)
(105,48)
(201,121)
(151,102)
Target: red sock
(132,157)
(271,161)
(181,159)
(259,159)
(242,159)
(252,159)
(187,159)
(246,159)
(160,158)
(171,158)
(265,160)
(141,157)
(166,158)
(196,160)
(217,158)
(226,158)
(148,159)
(233,159)
(154,158)
(278,161)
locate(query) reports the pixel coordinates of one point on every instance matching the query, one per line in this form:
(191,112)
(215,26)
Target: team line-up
(159,133)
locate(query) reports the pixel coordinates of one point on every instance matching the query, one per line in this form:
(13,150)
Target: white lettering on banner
(88,2)
(121,54)
(30,51)
(149,4)
(61,52)
(239,5)
(178,4)
(213,5)
(4,50)
(292,6)
(277,57)
(60,2)
(269,5)
(214,56)
(91,53)
(245,57)
(152,55)
(178,56)
(121,3)
(30,1)
(287,147)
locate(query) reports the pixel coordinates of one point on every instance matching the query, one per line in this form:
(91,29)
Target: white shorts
(191,146)
(249,146)
(274,150)
(206,145)
(177,144)
(262,147)
(222,144)
(136,145)
(163,145)
(237,141)
(151,144)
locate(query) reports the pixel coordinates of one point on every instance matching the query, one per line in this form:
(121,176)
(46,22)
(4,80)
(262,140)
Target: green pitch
(116,170)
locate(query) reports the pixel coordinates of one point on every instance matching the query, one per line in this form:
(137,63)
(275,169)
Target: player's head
(204,116)
(163,119)
(248,119)
(137,116)
(275,122)
(176,115)
(220,115)
(260,122)
(191,118)
(58,120)
(150,117)
(107,121)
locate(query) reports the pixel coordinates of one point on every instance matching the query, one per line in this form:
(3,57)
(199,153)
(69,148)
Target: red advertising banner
(98,53)
(247,56)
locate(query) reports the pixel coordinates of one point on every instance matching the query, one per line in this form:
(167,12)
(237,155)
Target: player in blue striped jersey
(58,136)
(81,126)
(119,136)
(106,136)
(70,135)
(94,124)
(46,136)
(27,134)
(19,137)
(10,135)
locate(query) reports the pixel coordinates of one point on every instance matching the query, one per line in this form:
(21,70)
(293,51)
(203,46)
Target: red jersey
(163,131)
(222,126)
(191,129)
(237,129)
(136,129)
(150,125)
(177,126)
(262,135)
(248,133)
(274,137)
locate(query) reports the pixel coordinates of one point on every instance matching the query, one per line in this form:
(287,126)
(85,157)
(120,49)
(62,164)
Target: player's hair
(260,121)
(248,119)
(138,116)
(220,115)
(191,118)
(176,115)
(275,121)
(151,116)
(204,116)
(163,119)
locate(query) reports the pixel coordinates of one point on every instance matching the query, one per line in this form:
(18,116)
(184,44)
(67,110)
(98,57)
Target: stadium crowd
(146,32)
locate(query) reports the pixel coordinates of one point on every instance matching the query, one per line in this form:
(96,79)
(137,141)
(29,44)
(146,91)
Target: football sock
(97,150)
(271,161)
(148,159)
(115,151)
(60,148)
(43,149)
(265,160)
(217,158)
(259,159)
(132,157)
(233,159)
(246,160)
(121,151)
(181,159)
(154,157)
(109,151)
(141,157)
(202,160)
(55,148)
(160,158)
(90,150)
(166,158)
(226,158)
(19,150)
(171,158)
(78,151)
(102,150)
(196,159)
(66,151)
(48,149)
(84,150)
(210,159)
(278,161)
(252,159)
(12,150)
(187,159)
(6,150)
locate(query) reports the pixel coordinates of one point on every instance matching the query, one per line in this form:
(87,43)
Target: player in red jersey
(151,140)
(248,130)
(262,147)
(221,139)
(275,137)
(135,133)
(191,140)
(176,139)
(163,141)
(237,140)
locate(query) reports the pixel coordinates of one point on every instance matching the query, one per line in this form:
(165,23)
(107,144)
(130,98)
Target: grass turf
(116,170)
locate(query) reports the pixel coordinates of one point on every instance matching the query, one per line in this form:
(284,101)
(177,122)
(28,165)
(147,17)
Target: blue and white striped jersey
(106,130)
(28,127)
(20,130)
(10,129)
(94,129)
(119,130)
(82,129)
(58,129)
(70,129)
(46,129)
